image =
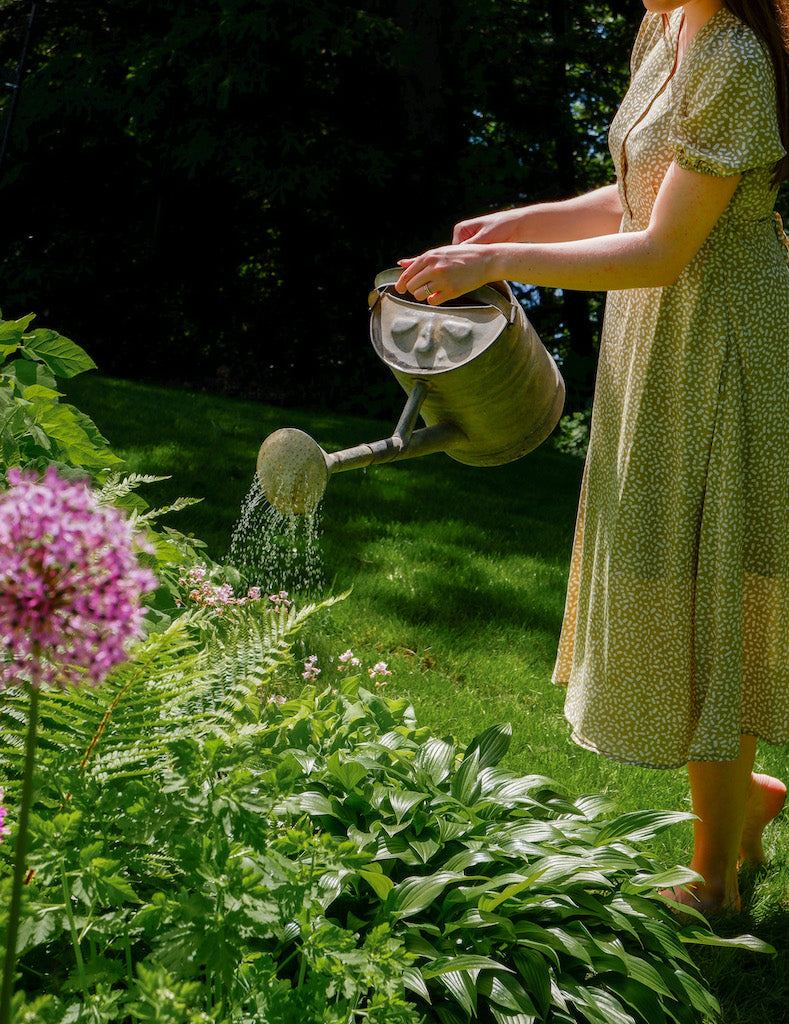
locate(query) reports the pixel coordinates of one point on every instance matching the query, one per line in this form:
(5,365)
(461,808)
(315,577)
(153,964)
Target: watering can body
(474,369)
(480,363)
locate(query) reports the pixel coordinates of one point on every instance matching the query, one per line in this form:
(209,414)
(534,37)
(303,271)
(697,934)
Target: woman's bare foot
(708,900)
(766,798)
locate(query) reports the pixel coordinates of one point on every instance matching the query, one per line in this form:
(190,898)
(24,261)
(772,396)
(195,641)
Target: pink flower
(348,659)
(311,670)
(280,600)
(5,830)
(70,583)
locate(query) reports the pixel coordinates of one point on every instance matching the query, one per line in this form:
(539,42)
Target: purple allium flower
(4,829)
(70,583)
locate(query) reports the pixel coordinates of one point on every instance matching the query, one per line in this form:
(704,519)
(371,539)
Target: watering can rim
(486,295)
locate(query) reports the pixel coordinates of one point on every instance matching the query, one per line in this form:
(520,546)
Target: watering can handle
(487,295)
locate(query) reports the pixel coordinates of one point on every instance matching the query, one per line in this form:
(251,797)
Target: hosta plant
(520,905)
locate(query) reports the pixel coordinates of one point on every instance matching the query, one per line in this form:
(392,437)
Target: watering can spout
(293,469)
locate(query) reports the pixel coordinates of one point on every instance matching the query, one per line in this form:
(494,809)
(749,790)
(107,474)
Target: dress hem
(587,744)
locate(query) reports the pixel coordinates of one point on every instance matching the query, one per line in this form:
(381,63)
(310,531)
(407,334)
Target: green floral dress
(676,631)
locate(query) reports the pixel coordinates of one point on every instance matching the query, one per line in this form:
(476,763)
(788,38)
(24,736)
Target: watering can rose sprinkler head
(292,471)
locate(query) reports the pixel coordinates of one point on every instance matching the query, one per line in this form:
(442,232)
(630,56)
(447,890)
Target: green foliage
(36,428)
(224,160)
(518,904)
(205,849)
(162,885)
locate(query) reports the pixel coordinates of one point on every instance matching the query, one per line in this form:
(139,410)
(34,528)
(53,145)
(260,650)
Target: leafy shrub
(36,428)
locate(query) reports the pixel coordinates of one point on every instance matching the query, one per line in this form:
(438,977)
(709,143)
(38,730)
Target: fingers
(415,280)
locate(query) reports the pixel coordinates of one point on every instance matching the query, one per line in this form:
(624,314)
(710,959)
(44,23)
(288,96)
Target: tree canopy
(205,191)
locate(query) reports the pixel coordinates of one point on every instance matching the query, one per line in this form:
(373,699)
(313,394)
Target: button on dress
(675,638)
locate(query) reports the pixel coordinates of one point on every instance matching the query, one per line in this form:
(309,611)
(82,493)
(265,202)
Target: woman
(675,641)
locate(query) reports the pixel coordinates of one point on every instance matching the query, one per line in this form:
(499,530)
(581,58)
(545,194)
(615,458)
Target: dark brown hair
(769,20)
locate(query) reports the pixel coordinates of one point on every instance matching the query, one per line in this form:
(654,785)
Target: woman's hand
(447,272)
(503,226)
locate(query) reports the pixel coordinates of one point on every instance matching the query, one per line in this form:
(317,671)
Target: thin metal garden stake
(16,85)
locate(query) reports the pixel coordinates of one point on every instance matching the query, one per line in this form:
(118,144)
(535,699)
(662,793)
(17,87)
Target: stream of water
(275,550)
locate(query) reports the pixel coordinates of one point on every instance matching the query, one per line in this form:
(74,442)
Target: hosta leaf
(416,894)
(700,998)
(506,992)
(643,972)
(586,1000)
(534,937)
(536,977)
(381,884)
(700,936)
(449,829)
(664,879)
(462,962)
(412,978)
(491,745)
(502,1017)
(394,848)
(640,826)
(403,800)
(347,771)
(636,995)
(435,758)
(466,786)
(522,787)
(467,859)
(474,918)
(613,1011)
(462,988)
(425,848)
(569,943)
(313,803)
(417,944)
(524,882)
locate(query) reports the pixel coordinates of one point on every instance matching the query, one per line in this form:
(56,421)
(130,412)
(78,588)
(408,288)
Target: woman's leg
(733,807)
(719,791)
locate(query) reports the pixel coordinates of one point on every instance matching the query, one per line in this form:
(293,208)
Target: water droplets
(277,550)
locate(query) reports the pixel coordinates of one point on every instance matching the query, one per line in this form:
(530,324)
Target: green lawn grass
(457,578)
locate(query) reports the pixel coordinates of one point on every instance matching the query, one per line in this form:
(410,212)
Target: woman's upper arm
(687,208)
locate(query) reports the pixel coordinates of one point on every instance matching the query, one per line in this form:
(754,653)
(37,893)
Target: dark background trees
(204,192)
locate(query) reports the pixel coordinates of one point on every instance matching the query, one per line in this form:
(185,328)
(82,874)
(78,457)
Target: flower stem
(9,966)
(73,929)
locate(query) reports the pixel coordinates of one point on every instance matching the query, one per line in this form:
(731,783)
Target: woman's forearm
(687,208)
(596,213)
(599,263)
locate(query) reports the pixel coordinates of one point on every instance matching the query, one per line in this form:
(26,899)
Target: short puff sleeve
(727,117)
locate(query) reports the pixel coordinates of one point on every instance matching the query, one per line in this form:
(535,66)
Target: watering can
(474,368)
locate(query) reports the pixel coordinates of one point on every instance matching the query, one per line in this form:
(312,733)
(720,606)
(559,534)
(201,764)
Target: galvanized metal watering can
(475,370)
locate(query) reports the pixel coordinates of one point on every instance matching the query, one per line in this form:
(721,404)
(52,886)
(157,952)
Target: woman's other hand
(502,226)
